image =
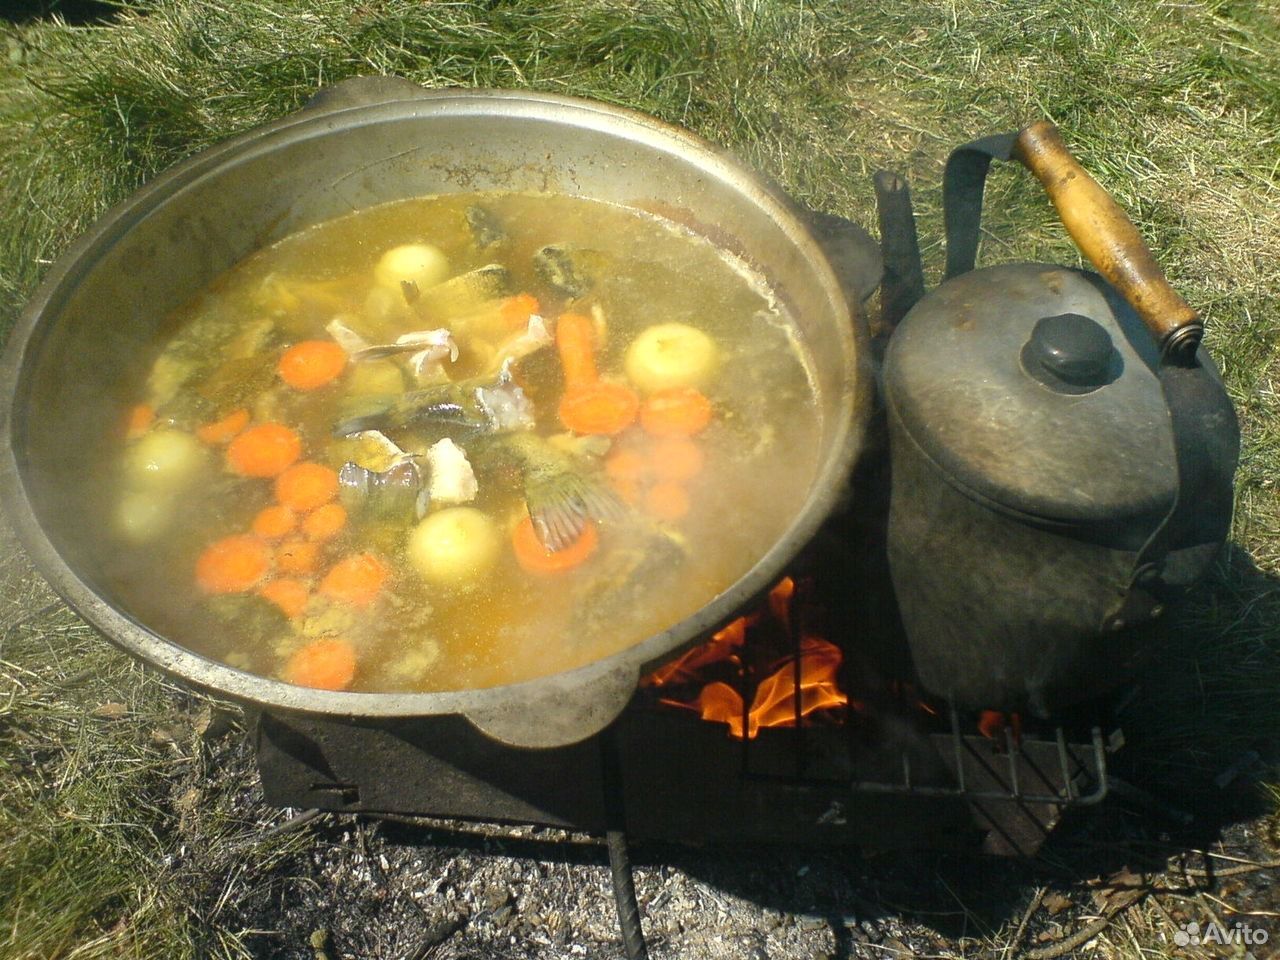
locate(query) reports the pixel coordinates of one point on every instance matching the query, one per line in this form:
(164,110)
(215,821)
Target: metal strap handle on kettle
(1108,238)
(1102,231)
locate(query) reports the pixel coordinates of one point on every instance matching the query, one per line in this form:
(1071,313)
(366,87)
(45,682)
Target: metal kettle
(1062,449)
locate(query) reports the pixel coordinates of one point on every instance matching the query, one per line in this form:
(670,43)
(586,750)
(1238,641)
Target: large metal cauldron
(86,335)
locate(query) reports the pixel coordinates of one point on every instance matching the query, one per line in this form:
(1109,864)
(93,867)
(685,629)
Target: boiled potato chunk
(143,515)
(419,263)
(671,355)
(455,546)
(164,460)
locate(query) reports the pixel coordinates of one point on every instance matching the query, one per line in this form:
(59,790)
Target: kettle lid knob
(1070,353)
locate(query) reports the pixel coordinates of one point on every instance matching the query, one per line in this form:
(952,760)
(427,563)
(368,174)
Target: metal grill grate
(1039,766)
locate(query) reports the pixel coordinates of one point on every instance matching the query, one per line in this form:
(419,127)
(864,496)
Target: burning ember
(800,682)
(991,723)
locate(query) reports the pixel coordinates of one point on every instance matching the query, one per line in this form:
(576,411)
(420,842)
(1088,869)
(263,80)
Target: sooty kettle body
(1062,453)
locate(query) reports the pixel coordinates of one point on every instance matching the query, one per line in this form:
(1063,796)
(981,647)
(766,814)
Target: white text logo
(1193,935)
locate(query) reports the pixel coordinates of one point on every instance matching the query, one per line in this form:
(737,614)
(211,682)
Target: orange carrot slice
(667,501)
(626,463)
(139,420)
(265,450)
(273,522)
(298,557)
(600,408)
(233,564)
(289,595)
(224,430)
(312,364)
(575,338)
(535,558)
(355,579)
(628,488)
(326,664)
(516,311)
(677,458)
(324,522)
(678,412)
(305,486)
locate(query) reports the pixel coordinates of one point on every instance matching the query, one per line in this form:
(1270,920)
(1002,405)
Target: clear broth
(760,449)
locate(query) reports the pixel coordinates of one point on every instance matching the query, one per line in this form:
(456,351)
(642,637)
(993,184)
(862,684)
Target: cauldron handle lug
(559,710)
(363,92)
(852,252)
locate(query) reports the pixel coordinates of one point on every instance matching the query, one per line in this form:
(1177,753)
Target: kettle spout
(903,281)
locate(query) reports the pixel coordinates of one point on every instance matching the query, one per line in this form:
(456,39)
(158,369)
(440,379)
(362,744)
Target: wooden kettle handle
(1108,238)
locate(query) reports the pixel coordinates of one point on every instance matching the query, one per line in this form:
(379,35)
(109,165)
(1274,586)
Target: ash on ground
(301,885)
(358,887)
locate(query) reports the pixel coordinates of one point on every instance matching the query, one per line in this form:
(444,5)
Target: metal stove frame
(680,779)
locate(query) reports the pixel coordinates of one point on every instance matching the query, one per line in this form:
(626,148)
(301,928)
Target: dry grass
(1174,106)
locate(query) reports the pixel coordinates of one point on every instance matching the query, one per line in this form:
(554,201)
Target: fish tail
(560,507)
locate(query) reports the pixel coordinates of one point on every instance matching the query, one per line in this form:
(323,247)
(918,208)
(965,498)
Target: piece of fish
(358,348)
(505,404)
(381,479)
(569,269)
(465,293)
(427,349)
(462,409)
(534,337)
(372,449)
(561,491)
(486,229)
(451,478)
(400,491)
(282,295)
(439,342)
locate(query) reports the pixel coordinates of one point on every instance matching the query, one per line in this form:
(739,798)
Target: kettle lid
(1033,387)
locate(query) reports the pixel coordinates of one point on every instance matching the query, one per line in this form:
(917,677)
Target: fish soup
(456,442)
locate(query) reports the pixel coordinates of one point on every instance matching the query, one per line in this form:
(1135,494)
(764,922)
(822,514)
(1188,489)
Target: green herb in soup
(459,441)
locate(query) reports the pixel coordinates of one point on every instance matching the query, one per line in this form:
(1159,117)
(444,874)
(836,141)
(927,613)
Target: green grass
(113,817)
(1175,107)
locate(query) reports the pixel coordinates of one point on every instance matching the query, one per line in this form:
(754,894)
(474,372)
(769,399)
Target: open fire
(800,671)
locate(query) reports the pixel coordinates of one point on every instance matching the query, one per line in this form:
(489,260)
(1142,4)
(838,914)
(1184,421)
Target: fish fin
(345,337)
(427,367)
(561,505)
(602,503)
(351,425)
(435,337)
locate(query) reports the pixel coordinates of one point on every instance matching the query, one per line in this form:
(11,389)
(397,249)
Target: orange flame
(780,600)
(720,647)
(991,724)
(774,704)
(775,701)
